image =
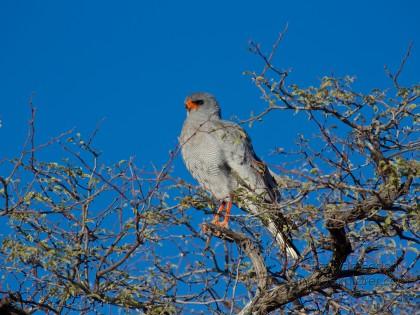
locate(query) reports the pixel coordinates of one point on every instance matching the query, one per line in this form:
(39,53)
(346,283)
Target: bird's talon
(224,224)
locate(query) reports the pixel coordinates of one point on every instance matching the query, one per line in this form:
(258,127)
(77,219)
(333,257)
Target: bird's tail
(283,241)
(275,227)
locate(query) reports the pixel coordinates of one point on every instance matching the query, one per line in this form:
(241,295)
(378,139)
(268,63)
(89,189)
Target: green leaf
(314,171)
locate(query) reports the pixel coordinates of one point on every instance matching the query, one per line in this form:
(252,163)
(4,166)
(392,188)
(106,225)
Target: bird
(220,156)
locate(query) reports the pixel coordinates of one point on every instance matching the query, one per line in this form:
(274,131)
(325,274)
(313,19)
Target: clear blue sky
(133,62)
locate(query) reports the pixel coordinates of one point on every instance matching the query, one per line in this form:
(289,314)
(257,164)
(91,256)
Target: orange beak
(190,105)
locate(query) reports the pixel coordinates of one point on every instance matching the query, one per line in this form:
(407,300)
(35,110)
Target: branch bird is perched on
(220,156)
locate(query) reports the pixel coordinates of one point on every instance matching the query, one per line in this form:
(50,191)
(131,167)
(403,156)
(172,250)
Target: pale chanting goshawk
(220,156)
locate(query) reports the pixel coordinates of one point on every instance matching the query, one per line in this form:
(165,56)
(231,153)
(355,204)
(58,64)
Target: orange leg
(225,222)
(217,215)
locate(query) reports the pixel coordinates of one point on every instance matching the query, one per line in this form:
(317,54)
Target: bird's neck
(202,117)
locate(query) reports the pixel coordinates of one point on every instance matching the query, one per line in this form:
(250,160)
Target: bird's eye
(199,102)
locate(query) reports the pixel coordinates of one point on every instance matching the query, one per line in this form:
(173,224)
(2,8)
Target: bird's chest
(203,155)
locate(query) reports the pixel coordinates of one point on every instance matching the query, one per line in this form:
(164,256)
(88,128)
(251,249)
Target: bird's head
(203,104)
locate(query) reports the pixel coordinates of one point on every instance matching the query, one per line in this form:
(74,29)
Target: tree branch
(251,250)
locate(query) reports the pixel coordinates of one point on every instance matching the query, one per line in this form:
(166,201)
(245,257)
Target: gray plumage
(220,156)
